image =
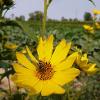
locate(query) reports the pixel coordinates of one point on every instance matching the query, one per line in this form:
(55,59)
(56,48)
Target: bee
(41,66)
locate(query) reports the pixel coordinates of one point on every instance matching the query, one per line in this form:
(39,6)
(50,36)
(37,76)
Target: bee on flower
(88,28)
(84,65)
(47,73)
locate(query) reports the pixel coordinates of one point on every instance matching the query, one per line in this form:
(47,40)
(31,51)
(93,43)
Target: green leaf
(4,64)
(10,23)
(92,2)
(7,73)
(19,96)
(50,1)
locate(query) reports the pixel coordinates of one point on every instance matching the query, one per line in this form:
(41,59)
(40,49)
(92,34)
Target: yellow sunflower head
(96,12)
(88,28)
(82,62)
(49,72)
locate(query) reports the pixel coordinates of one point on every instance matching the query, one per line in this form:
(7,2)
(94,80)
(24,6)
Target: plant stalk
(68,92)
(44,19)
(10,92)
(0,14)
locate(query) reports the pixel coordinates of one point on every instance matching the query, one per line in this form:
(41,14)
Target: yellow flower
(97,25)
(10,45)
(50,72)
(96,12)
(88,28)
(82,62)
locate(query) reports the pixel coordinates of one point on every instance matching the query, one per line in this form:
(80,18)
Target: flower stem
(44,19)
(68,92)
(10,93)
(0,14)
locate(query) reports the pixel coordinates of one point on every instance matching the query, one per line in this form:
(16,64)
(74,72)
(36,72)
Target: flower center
(44,71)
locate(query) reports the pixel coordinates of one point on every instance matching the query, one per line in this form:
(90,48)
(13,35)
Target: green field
(24,33)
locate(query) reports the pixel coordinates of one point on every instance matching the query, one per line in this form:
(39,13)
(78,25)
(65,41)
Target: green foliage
(24,33)
(5,22)
(92,2)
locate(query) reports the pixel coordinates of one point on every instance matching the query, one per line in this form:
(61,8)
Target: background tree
(21,18)
(31,16)
(64,19)
(36,16)
(88,16)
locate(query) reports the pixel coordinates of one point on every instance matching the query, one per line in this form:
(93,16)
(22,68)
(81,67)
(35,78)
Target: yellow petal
(21,69)
(45,48)
(38,87)
(51,88)
(40,49)
(91,69)
(82,61)
(31,56)
(24,61)
(48,48)
(84,66)
(78,59)
(60,52)
(84,58)
(24,80)
(63,77)
(66,63)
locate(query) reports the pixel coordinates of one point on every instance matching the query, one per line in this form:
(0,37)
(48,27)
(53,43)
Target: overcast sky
(57,9)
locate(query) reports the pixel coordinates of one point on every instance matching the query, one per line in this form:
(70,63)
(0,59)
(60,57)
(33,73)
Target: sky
(57,9)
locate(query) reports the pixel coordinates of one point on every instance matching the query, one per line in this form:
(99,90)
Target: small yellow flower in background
(48,73)
(96,12)
(88,28)
(97,25)
(82,62)
(10,45)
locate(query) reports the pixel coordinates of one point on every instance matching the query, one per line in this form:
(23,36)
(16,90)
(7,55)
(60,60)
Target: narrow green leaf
(92,2)
(7,73)
(50,1)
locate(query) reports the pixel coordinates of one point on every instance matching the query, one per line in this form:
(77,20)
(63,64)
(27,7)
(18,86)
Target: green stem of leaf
(68,92)
(10,92)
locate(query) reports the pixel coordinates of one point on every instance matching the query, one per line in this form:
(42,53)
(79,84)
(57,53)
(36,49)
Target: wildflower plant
(53,71)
